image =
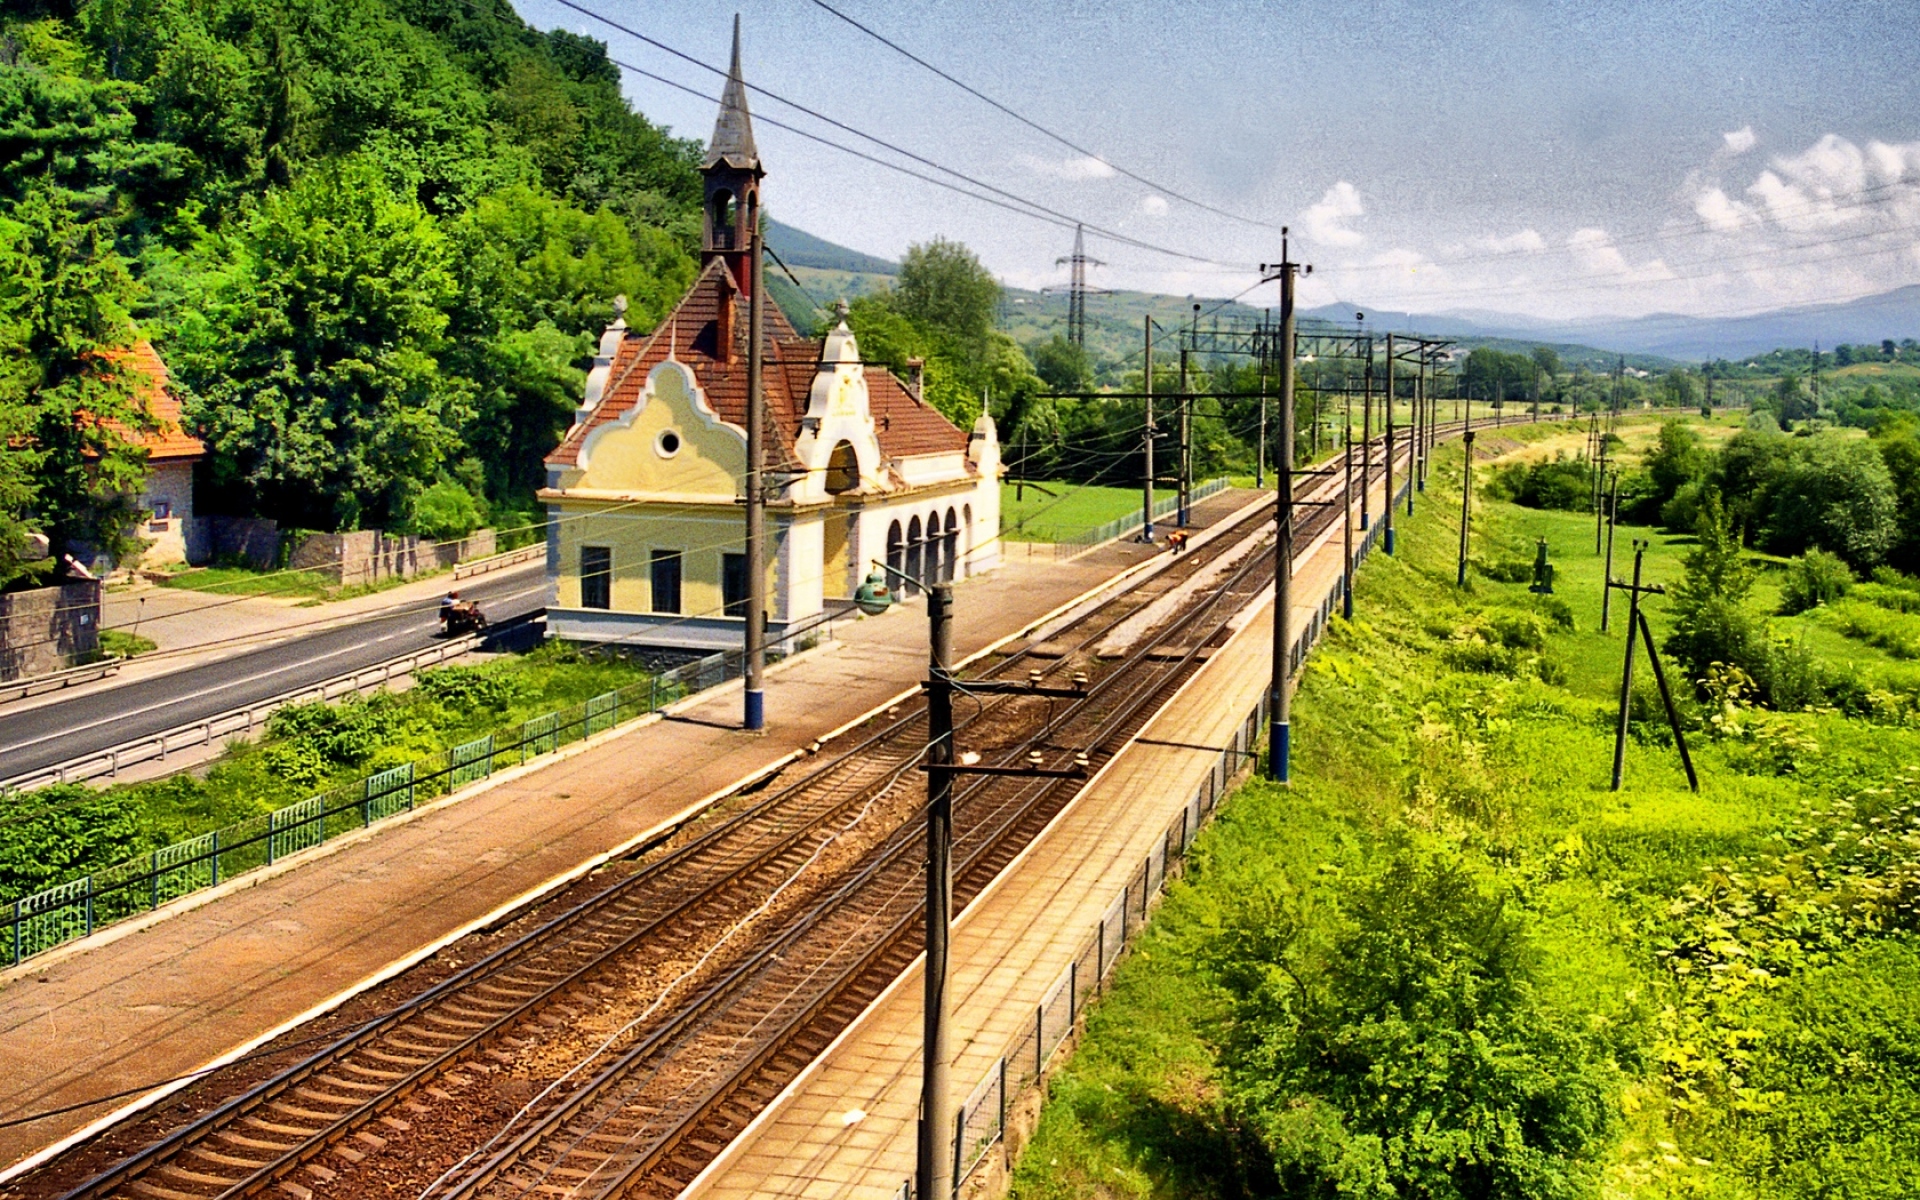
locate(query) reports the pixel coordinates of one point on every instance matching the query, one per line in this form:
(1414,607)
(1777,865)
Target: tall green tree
(945,289)
(311,353)
(67,467)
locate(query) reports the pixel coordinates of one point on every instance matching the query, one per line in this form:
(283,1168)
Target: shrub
(1683,510)
(1506,570)
(445,511)
(1410,1053)
(1815,578)
(74,830)
(1559,483)
(470,688)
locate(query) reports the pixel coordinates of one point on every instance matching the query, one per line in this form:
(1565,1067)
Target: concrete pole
(1186,443)
(1146,491)
(1366,441)
(1466,495)
(1346,527)
(755,716)
(934,1168)
(1279,702)
(1389,507)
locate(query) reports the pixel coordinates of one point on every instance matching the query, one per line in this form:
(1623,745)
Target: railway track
(677,1087)
(263,1135)
(653,1117)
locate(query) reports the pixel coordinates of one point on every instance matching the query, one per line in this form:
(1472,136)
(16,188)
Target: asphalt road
(54,733)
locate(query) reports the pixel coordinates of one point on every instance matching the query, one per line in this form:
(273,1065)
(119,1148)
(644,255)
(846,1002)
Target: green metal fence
(60,914)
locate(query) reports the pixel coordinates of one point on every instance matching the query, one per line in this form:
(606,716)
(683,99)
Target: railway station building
(646,494)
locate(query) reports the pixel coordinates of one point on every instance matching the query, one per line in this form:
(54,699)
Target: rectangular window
(596,577)
(666,581)
(733,584)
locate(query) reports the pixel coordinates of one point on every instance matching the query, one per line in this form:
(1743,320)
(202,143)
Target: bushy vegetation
(1448,962)
(55,834)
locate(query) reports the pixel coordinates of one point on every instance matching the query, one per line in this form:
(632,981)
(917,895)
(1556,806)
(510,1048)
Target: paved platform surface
(847,1128)
(165,1000)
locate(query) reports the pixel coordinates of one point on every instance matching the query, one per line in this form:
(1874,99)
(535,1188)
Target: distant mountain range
(798,248)
(1867,321)
(1652,339)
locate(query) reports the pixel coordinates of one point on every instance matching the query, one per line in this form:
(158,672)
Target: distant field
(1054,512)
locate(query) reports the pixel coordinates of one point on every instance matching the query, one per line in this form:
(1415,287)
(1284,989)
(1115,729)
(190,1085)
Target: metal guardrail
(53,681)
(495,562)
(77,908)
(109,762)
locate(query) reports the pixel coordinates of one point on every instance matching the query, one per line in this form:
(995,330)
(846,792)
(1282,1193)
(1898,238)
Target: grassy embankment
(1051,511)
(49,836)
(1746,955)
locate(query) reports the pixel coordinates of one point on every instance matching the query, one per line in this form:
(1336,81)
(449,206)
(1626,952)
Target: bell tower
(733,174)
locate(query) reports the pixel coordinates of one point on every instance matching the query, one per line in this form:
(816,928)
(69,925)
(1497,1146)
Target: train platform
(103,1026)
(846,1127)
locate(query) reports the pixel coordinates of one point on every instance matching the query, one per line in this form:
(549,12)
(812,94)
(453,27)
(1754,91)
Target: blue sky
(1540,158)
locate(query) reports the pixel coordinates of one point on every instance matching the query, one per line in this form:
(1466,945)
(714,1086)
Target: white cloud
(1153,206)
(1527,241)
(1740,140)
(1075,167)
(1720,211)
(1326,222)
(1593,251)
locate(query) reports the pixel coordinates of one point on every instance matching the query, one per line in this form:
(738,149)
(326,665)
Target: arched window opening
(896,554)
(722,216)
(843,469)
(950,550)
(916,554)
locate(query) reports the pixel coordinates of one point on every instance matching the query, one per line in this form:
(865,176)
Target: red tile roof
(905,426)
(169,439)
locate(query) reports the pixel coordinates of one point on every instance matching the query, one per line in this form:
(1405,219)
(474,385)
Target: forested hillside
(373,240)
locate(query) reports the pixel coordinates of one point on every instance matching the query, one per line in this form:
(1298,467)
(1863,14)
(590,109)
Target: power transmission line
(1018,203)
(976,93)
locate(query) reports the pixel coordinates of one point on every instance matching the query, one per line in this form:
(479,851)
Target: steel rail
(896,853)
(489,968)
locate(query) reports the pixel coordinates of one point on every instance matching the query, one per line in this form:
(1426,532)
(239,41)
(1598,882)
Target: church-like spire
(732,143)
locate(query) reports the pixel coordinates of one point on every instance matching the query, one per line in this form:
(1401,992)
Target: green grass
(1052,511)
(1648,907)
(310,587)
(118,643)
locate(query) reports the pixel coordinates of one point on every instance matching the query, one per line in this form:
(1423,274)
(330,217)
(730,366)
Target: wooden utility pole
(1637,624)
(755,668)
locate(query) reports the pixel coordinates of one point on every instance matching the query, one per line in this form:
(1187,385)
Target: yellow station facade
(646,493)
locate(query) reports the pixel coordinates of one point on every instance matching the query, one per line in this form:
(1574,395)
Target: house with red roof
(173,533)
(645,493)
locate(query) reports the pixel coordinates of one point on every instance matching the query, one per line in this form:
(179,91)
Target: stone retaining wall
(47,629)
